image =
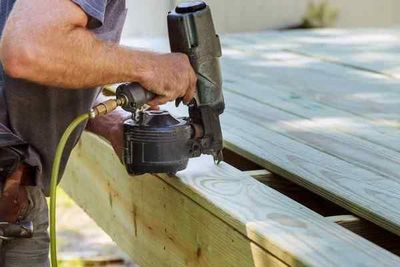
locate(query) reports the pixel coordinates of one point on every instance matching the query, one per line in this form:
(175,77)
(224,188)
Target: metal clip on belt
(16,230)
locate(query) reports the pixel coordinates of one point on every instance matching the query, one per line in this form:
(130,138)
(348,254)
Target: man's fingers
(176,80)
(191,91)
(163,100)
(189,96)
(159,100)
(154,107)
(153,102)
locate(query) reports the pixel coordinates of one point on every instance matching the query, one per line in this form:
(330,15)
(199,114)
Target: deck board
(207,215)
(322,116)
(329,163)
(361,93)
(374,50)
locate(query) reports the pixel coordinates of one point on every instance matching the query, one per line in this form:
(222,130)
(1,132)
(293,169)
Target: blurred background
(147,18)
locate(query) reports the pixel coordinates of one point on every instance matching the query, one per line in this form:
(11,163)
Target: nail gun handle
(134,96)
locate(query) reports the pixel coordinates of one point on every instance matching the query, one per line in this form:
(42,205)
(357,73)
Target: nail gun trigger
(178,101)
(218,157)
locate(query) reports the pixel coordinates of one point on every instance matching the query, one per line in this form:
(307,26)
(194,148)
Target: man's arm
(47,42)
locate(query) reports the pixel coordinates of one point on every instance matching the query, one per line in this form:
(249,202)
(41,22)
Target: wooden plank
(300,194)
(150,220)
(365,193)
(370,49)
(356,151)
(344,219)
(248,67)
(375,50)
(207,215)
(369,231)
(259,175)
(364,94)
(323,116)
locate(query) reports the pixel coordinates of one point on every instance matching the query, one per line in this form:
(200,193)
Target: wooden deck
(318,109)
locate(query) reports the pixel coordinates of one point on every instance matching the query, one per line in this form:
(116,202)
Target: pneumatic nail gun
(156,141)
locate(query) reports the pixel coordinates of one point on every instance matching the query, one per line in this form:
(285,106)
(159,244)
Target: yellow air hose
(53,183)
(98,110)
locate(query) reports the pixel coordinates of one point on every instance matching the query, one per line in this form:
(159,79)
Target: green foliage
(71,263)
(320,15)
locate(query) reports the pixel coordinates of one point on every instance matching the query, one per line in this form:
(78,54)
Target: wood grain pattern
(207,215)
(261,74)
(150,220)
(359,190)
(361,93)
(291,100)
(326,138)
(373,50)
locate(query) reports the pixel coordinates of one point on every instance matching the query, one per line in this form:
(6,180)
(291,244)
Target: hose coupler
(106,107)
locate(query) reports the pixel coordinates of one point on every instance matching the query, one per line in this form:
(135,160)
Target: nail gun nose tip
(218,157)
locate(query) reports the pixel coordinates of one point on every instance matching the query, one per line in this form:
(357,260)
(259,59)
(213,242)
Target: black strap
(9,161)
(12,151)
(8,139)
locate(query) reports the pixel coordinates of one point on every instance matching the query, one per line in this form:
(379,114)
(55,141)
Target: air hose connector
(106,107)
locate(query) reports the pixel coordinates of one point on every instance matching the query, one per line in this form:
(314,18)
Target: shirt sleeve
(95,9)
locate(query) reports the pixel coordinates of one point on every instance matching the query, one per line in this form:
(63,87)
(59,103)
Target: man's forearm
(90,62)
(67,56)
(47,42)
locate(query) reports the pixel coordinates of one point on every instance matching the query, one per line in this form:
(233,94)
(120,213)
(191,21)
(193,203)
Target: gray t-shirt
(40,114)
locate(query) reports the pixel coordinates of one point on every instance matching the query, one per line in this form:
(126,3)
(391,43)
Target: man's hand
(170,77)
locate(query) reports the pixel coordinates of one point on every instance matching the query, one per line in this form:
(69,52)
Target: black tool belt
(14,175)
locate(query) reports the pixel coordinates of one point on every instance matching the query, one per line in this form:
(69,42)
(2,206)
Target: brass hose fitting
(106,107)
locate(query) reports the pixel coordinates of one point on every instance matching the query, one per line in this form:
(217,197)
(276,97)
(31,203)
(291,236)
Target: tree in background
(319,15)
